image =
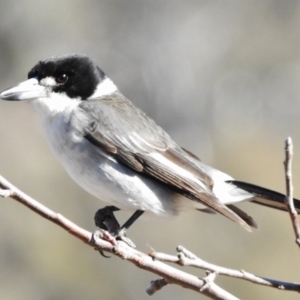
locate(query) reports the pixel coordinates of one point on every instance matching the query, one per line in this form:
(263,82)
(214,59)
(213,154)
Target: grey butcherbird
(118,154)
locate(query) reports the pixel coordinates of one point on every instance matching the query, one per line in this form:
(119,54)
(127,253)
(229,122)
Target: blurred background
(222,77)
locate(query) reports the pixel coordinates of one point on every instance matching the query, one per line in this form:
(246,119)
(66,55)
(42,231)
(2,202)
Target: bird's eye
(61,79)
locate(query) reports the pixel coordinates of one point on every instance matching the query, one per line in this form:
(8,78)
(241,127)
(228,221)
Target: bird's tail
(265,196)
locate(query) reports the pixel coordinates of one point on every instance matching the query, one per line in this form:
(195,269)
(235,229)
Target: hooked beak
(26,90)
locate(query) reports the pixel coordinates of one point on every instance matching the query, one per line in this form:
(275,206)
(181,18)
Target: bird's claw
(106,220)
(121,236)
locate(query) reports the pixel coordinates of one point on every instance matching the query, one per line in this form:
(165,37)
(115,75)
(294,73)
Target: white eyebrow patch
(48,81)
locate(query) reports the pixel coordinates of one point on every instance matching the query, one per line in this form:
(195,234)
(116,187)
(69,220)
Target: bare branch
(186,258)
(8,190)
(289,188)
(105,242)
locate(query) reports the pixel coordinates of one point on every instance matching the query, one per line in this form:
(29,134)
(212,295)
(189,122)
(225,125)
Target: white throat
(55,104)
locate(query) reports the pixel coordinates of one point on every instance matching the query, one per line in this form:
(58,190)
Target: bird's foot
(121,236)
(106,220)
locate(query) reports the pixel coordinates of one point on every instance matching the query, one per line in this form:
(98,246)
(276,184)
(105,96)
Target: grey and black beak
(26,90)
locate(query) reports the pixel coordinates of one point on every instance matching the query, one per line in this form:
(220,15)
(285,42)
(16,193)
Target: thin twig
(289,188)
(186,258)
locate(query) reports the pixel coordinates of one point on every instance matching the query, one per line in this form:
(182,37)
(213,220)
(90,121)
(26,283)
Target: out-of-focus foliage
(222,77)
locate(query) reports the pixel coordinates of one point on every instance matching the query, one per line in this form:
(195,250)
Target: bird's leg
(131,220)
(105,219)
(121,235)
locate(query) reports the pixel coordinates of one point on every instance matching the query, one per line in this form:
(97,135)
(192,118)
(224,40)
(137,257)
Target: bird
(118,154)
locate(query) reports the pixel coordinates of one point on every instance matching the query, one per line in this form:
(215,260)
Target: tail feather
(265,196)
(243,215)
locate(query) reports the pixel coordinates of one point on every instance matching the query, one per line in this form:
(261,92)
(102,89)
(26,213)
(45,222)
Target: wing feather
(125,132)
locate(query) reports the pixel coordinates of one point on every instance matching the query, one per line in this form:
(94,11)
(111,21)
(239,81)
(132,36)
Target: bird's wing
(125,132)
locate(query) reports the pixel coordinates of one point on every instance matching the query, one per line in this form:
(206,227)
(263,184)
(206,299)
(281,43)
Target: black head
(75,75)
